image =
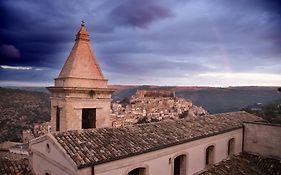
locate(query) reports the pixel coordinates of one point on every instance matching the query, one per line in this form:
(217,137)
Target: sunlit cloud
(22,68)
(15,67)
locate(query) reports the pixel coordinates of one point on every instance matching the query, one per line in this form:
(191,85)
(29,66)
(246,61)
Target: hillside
(19,109)
(270,111)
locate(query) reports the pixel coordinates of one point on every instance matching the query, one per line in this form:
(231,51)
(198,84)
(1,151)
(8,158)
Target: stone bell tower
(80,98)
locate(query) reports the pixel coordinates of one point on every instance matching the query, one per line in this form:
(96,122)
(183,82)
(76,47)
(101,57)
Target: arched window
(180,165)
(231,147)
(210,154)
(48,148)
(47,173)
(137,171)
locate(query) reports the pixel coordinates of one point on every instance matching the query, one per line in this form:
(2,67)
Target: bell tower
(80,98)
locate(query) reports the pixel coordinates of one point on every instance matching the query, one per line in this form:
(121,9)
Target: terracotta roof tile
(11,164)
(246,164)
(95,146)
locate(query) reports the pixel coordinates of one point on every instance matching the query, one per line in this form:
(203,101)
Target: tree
(184,114)
(142,120)
(125,101)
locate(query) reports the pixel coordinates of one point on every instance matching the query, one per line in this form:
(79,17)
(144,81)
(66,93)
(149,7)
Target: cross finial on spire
(82,33)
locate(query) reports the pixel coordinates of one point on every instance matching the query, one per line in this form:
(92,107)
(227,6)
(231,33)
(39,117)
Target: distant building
(27,135)
(19,149)
(155,93)
(5,146)
(41,128)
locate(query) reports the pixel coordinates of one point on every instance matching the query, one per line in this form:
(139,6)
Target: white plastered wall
(161,161)
(263,139)
(52,159)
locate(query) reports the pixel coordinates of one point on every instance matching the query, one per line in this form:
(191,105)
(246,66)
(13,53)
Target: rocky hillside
(19,109)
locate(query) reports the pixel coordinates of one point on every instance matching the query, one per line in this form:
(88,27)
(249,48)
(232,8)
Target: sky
(151,42)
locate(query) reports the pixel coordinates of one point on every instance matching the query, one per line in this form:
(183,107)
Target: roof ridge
(198,118)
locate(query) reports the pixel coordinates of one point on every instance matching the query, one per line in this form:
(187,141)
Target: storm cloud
(139,13)
(165,42)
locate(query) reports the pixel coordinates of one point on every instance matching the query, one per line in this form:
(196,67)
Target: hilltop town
(152,106)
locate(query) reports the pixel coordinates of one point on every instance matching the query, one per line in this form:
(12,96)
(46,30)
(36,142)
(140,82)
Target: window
(137,171)
(180,165)
(48,147)
(231,146)
(47,173)
(88,118)
(210,151)
(58,119)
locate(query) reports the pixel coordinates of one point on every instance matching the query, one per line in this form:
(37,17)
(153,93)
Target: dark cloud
(139,66)
(140,14)
(9,51)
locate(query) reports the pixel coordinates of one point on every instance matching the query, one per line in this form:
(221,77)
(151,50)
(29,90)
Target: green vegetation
(270,112)
(142,120)
(184,114)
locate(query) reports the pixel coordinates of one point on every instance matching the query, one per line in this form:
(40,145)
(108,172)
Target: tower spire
(82,22)
(81,62)
(82,33)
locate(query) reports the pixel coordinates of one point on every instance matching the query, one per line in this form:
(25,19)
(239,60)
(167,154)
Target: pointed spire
(81,64)
(82,33)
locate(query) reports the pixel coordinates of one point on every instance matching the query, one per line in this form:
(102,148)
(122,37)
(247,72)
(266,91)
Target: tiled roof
(4,146)
(11,164)
(96,146)
(246,164)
